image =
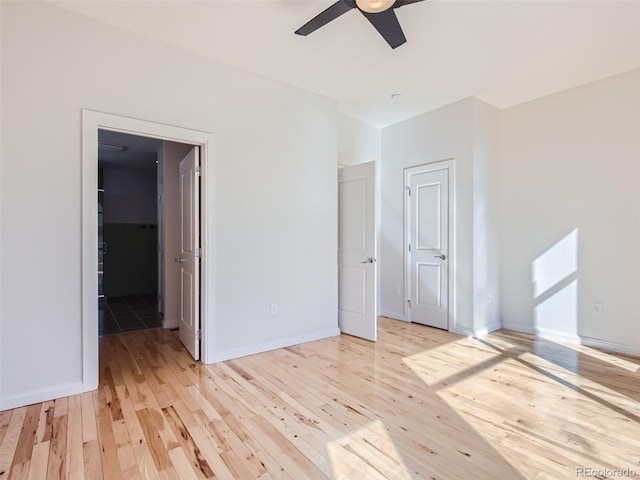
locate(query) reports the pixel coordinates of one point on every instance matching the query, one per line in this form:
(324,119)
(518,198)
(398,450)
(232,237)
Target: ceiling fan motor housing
(383,20)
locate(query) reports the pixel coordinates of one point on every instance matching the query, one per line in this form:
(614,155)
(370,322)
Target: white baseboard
(555,335)
(394,315)
(37,396)
(610,346)
(475,332)
(577,339)
(170,323)
(518,328)
(480,332)
(464,331)
(265,347)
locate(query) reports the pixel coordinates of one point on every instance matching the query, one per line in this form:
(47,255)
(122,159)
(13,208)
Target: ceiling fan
(379,12)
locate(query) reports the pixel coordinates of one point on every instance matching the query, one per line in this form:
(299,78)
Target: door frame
(92,121)
(449,165)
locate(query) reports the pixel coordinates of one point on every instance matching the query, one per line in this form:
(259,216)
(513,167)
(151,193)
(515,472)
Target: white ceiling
(504,52)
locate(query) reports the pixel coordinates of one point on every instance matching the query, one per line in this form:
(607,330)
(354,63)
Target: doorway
(92,123)
(428,253)
(129,216)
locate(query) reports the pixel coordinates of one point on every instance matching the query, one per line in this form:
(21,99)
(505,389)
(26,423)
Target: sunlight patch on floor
(367,453)
(542,418)
(446,361)
(616,359)
(616,399)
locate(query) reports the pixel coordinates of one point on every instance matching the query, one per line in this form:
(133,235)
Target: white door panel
(428,255)
(428,217)
(188,258)
(428,284)
(357,251)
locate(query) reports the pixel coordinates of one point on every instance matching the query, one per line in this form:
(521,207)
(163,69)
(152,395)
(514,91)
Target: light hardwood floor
(419,403)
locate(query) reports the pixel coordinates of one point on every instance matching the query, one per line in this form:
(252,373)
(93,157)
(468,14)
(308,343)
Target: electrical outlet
(274,309)
(597,308)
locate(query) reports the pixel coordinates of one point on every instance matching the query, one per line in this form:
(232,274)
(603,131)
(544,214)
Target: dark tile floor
(134,312)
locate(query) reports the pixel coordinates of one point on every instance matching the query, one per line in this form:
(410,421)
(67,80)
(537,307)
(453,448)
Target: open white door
(428,249)
(357,251)
(189,258)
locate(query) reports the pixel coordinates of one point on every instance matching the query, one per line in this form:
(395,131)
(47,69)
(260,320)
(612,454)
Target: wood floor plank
(20,471)
(56,467)
(5,417)
(60,407)
(92,461)
(225,438)
(45,422)
(108,451)
(10,440)
(190,451)
(209,452)
(26,442)
(89,427)
(182,465)
(151,425)
(27,435)
(39,461)
(144,459)
(74,461)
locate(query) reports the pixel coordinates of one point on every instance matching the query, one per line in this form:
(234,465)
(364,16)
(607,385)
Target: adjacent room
(305,239)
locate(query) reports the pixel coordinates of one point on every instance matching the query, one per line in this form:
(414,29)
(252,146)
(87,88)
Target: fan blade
(331,13)
(388,26)
(402,3)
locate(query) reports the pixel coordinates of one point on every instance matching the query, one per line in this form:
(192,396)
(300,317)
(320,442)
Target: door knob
(178,260)
(441,257)
(368,260)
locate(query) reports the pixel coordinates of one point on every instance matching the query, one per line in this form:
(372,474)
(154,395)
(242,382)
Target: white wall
(467,132)
(569,177)
(445,133)
(130,196)
(275,198)
(358,142)
(486,272)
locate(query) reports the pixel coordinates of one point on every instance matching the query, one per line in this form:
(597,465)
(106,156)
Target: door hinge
(409,247)
(409,303)
(198,334)
(198,252)
(408,189)
(198,172)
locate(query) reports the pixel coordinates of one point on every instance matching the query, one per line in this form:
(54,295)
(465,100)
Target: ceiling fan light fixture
(374,6)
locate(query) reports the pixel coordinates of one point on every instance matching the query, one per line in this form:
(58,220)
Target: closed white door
(189,257)
(428,248)
(357,251)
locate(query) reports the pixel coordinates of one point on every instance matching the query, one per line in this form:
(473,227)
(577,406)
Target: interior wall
(570,213)
(486,254)
(130,196)
(445,133)
(358,142)
(275,196)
